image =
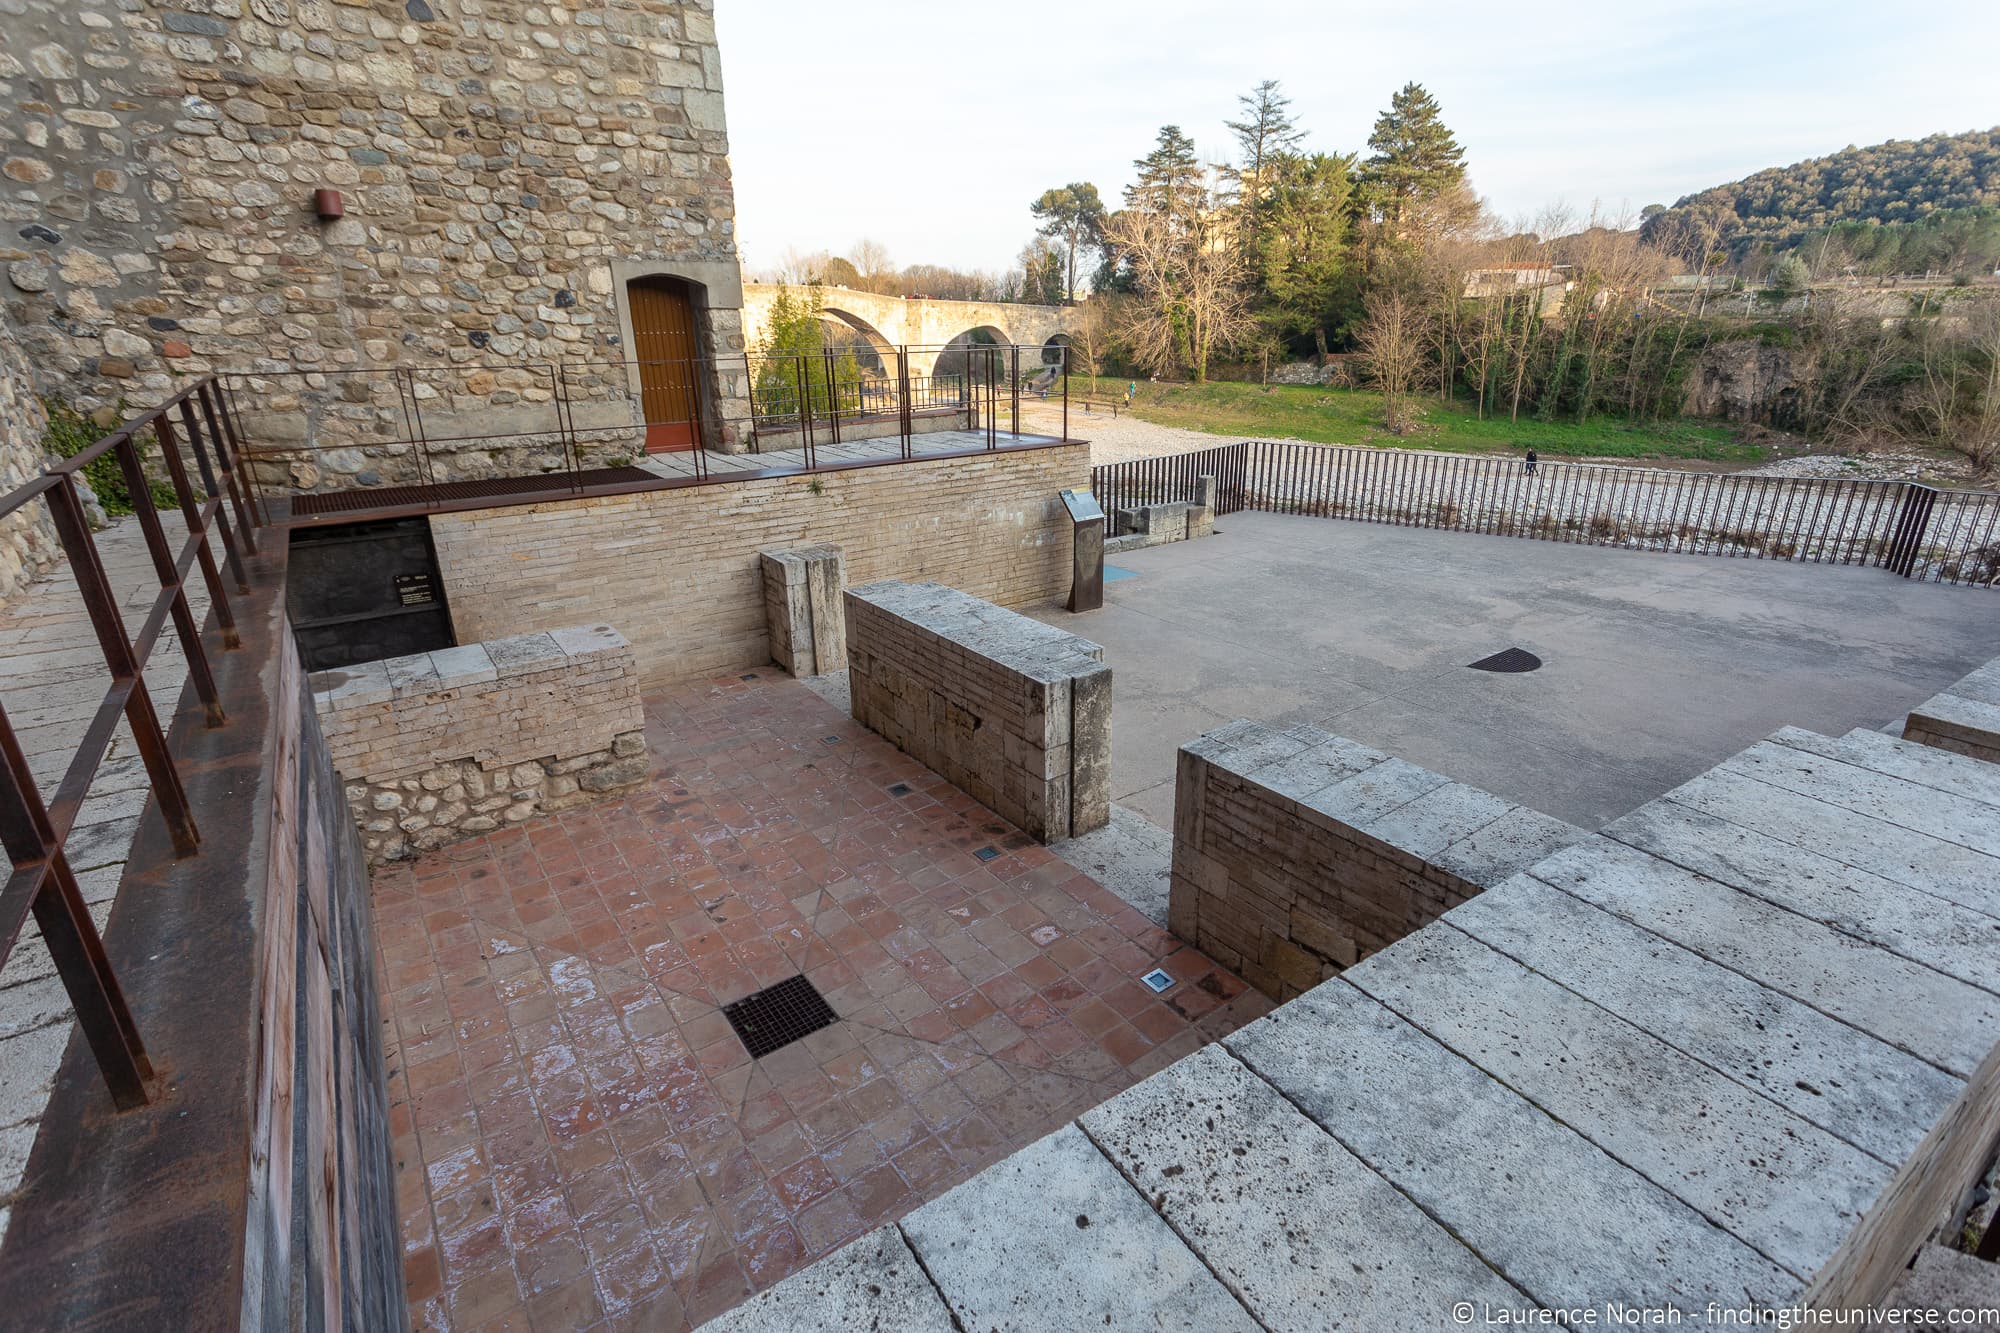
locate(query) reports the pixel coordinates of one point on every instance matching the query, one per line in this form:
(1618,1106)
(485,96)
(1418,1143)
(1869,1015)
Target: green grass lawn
(1354,416)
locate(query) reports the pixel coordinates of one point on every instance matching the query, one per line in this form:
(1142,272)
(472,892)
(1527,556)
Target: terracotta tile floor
(581,1138)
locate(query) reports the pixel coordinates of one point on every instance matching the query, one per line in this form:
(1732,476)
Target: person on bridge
(1528,465)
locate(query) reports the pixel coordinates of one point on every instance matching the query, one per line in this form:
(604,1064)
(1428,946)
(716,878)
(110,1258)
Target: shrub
(70,432)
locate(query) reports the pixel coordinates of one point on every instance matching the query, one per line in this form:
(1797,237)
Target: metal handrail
(33,830)
(764,402)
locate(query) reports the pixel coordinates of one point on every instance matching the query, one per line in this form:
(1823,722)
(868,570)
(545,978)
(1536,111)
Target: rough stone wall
(1298,853)
(505,166)
(449,744)
(27,537)
(1015,713)
(678,570)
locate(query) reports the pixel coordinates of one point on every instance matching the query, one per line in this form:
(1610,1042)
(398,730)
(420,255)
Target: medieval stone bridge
(889,322)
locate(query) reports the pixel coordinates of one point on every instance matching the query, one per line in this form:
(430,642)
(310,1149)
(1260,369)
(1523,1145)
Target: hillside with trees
(1946,183)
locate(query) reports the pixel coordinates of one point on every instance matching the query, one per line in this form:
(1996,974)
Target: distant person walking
(1130,391)
(1529,465)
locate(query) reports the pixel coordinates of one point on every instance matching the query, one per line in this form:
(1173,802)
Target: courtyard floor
(581,1138)
(1656,667)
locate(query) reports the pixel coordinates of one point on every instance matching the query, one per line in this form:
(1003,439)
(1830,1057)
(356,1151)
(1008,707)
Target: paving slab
(1907,856)
(873,1284)
(1937,814)
(1552,1212)
(1786,1187)
(1932,1016)
(1518,838)
(1938,933)
(1850,1084)
(1924,765)
(1305,1234)
(1053,1237)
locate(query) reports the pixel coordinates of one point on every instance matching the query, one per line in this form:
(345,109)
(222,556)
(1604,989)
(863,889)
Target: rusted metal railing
(1174,477)
(197,424)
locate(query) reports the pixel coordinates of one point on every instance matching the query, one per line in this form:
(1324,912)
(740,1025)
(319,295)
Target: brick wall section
(808,625)
(1013,712)
(1298,853)
(678,571)
(1964,719)
(448,744)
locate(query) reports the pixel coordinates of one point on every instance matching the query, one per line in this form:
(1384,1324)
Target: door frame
(714,284)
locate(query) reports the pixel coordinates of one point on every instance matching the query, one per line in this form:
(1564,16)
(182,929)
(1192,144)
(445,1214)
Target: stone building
(382,205)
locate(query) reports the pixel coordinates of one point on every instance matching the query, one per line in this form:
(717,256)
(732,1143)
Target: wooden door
(666,345)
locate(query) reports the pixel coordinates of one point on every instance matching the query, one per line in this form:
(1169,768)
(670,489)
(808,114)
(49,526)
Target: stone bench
(1298,853)
(1964,719)
(1015,713)
(446,745)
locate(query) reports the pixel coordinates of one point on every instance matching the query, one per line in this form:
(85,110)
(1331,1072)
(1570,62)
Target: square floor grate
(986,853)
(900,789)
(1513,661)
(779,1015)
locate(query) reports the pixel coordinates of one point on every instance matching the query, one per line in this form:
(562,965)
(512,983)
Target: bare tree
(1189,281)
(1393,347)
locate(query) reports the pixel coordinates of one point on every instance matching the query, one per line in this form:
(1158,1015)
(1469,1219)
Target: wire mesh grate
(779,1015)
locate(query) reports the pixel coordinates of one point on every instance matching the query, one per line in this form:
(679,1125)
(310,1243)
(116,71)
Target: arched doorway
(666,342)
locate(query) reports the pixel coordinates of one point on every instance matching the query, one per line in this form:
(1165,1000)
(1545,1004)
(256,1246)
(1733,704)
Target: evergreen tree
(1266,133)
(1074,217)
(1169,177)
(1303,257)
(1414,156)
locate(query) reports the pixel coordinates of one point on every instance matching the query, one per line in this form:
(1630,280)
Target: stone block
(1059,1210)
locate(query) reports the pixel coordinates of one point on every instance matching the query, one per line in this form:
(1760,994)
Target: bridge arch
(884,350)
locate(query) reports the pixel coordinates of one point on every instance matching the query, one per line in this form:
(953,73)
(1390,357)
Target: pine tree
(1266,133)
(1414,155)
(1169,177)
(1073,216)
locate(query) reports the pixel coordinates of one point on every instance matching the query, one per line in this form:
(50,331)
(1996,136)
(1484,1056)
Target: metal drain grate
(1511,662)
(986,853)
(779,1015)
(900,789)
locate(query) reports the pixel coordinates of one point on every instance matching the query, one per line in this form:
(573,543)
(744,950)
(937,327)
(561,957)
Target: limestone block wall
(1964,719)
(679,571)
(1298,853)
(27,537)
(1015,713)
(505,169)
(802,590)
(449,744)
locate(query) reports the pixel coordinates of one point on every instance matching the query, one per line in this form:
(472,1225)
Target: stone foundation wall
(1013,712)
(1964,719)
(1298,853)
(802,590)
(27,537)
(679,571)
(450,744)
(505,169)
(1155,525)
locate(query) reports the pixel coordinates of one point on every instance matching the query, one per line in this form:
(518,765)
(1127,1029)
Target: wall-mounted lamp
(327,204)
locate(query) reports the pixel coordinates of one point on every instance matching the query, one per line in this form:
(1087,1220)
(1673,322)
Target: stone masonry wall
(1964,719)
(449,744)
(27,537)
(1015,713)
(505,166)
(678,570)
(1298,853)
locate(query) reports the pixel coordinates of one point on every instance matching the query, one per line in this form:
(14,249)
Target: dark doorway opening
(360,592)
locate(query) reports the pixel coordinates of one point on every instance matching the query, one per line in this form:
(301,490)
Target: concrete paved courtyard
(1657,667)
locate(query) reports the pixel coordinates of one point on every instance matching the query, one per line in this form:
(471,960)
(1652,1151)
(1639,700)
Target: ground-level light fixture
(328,204)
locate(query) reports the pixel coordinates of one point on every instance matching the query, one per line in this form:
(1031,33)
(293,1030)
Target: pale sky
(930,127)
